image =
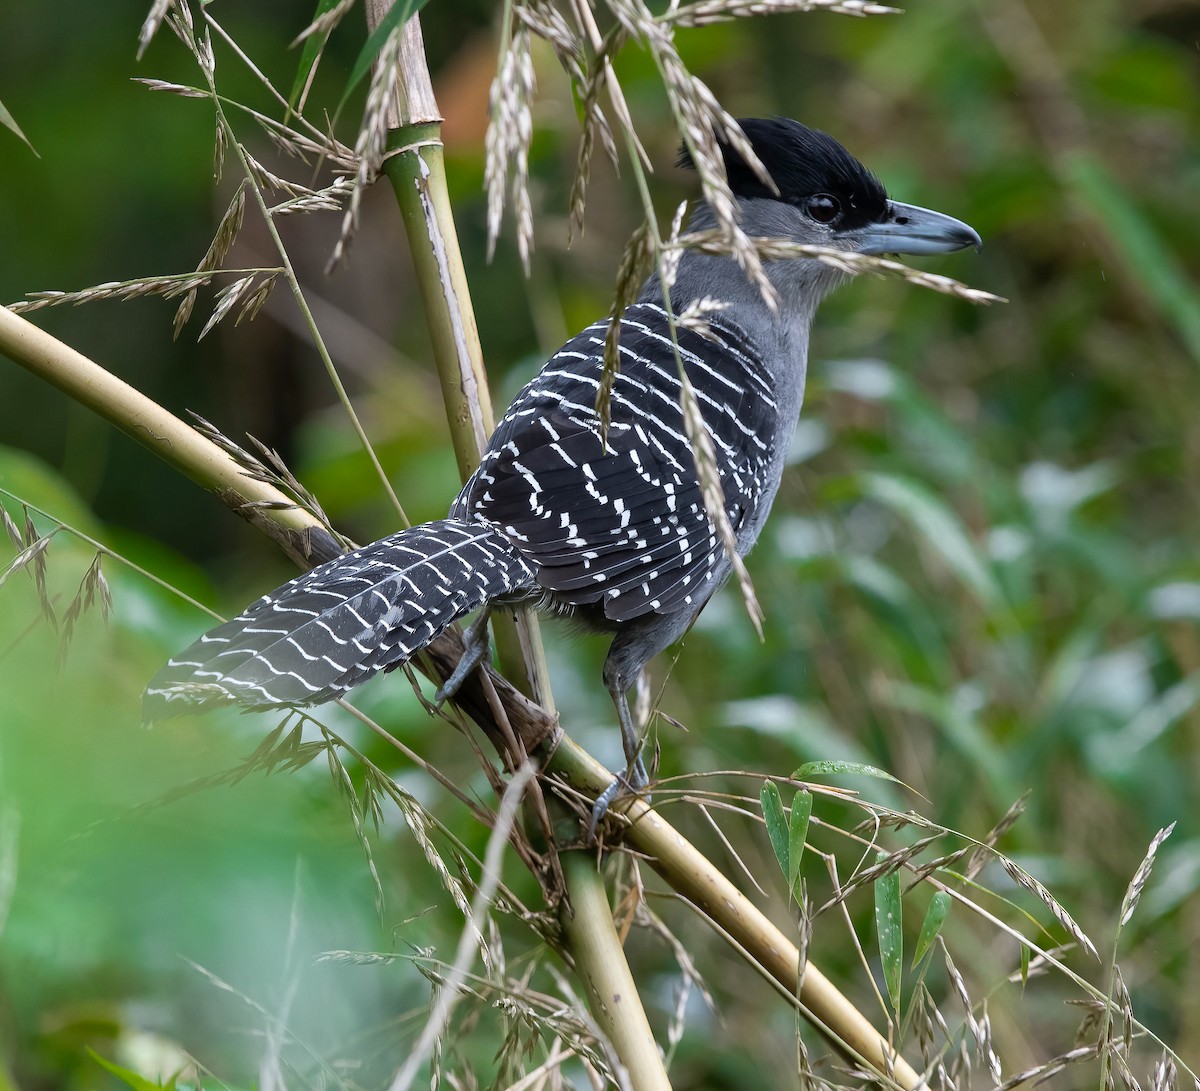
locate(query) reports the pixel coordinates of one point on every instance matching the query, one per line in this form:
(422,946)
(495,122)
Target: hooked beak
(909,229)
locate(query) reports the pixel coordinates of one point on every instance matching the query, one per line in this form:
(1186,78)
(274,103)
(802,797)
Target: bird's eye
(823,208)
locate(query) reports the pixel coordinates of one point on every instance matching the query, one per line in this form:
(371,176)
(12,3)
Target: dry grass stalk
(981,1030)
(332,198)
(268,180)
(1047,1069)
(92,588)
(31,558)
(372,136)
(1023,879)
(1142,876)
(704,126)
(250,295)
(635,264)
(778,249)
(228,298)
(324,24)
(306,148)
(546,22)
(1166,1075)
(169,287)
(986,849)
(714,494)
(154,20)
(11,528)
(595,125)
(220,143)
(707,12)
(172,88)
(695,316)
(269,467)
(509,133)
(472,938)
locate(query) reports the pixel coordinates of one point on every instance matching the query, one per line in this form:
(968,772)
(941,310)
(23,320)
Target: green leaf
(777,826)
(313,45)
(797,833)
(1158,272)
(888,927)
(825,768)
(397,16)
(1024,965)
(935,917)
(131,1078)
(10,123)
(939,527)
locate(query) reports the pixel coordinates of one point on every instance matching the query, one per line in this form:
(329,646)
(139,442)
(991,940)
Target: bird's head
(823,196)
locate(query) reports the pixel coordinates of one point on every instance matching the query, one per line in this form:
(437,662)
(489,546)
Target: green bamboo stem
(416,169)
(415,166)
(304,539)
(600,965)
(693,876)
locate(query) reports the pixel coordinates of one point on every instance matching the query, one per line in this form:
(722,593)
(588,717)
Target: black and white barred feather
(612,534)
(624,529)
(334,627)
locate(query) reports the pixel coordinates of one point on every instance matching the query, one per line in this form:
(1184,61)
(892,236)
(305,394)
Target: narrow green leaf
(888,927)
(935,917)
(313,45)
(777,827)
(1024,965)
(940,528)
(131,1078)
(10,123)
(397,16)
(825,768)
(797,834)
(1158,271)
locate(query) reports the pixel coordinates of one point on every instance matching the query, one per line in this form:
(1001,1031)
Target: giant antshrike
(611,529)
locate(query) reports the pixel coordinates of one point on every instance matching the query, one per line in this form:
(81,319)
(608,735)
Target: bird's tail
(326,631)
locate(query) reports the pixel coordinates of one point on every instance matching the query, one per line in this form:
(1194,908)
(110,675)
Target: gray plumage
(617,536)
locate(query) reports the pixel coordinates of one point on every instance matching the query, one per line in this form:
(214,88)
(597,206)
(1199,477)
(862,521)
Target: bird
(607,526)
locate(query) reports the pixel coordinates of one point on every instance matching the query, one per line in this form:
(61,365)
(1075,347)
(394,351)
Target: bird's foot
(633,781)
(477,646)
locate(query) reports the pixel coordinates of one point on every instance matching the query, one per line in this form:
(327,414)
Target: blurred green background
(981,572)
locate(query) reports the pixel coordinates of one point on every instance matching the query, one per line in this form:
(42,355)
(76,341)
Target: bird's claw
(632,782)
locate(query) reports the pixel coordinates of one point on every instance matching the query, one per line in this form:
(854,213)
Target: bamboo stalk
(693,875)
(415,166)
(600,964)
(297,533)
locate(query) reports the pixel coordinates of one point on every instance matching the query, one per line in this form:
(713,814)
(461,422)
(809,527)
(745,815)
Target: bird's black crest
(802,162)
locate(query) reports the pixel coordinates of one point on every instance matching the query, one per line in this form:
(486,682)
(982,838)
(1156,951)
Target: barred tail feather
(332,628)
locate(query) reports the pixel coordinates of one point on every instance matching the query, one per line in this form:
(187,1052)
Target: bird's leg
(477,646)
(635,778)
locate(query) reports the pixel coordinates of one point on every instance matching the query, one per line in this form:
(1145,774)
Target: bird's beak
(909,229)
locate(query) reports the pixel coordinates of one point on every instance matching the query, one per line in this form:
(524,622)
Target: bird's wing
(626,526)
